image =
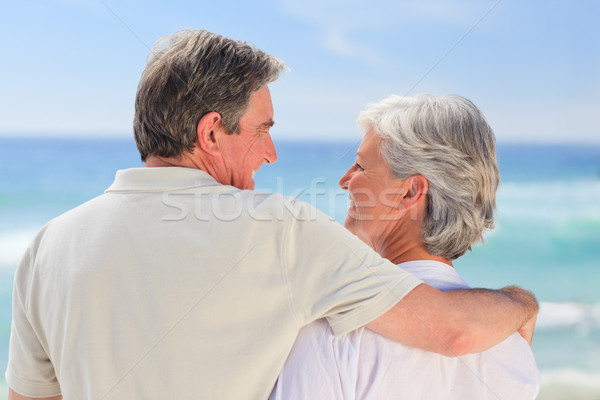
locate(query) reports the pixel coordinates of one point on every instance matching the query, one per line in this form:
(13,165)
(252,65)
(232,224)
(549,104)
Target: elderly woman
(422,192)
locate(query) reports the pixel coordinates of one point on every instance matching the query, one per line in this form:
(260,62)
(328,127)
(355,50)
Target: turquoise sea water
(547,237)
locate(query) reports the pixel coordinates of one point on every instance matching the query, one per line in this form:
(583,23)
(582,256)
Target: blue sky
(71,67)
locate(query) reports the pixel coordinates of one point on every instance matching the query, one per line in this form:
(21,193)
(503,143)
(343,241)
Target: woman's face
(373,193)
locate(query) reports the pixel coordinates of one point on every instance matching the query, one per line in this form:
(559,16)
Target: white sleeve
(29,371)
(313,369)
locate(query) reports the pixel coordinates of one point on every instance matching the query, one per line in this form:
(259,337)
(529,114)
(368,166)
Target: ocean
(547,237)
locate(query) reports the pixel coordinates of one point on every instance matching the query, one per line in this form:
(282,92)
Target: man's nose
(270,152)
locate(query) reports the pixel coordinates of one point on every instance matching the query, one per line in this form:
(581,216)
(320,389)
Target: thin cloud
(384,13)
(337,41)
(340,25)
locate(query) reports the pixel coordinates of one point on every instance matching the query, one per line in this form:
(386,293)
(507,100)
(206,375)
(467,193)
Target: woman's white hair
(448,141)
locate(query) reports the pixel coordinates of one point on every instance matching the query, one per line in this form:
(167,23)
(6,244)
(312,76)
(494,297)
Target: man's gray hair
(192,73)
(448,141)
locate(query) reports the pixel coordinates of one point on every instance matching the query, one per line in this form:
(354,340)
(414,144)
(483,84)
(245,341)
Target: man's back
(171,285)
(364,365)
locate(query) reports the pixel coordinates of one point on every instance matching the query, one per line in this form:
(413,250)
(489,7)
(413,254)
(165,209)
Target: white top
(364,365)
(172,286)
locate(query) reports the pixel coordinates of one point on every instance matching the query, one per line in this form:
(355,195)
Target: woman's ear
(207,132)
(417,189)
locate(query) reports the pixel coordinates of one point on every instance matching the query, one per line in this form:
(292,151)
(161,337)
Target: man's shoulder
(282,207)
(91,206)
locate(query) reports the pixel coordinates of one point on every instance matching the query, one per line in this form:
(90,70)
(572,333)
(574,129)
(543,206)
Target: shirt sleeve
(321,376)
(29,371)
(333,274)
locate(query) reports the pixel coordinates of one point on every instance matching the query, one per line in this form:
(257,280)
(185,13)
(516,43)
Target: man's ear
(207,131)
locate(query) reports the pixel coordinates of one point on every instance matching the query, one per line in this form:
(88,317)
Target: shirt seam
(284,263)
(30,388)
(156,189)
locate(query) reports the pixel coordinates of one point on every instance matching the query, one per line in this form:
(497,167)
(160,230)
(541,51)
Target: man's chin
(350,224)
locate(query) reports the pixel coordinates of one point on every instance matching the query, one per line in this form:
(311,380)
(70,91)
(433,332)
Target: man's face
(244,153)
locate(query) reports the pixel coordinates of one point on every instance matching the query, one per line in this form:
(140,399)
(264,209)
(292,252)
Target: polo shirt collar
(159,179)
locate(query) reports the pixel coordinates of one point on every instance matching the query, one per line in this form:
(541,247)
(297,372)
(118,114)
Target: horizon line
(312,139)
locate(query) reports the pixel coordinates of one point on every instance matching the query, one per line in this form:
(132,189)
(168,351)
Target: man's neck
(184,162)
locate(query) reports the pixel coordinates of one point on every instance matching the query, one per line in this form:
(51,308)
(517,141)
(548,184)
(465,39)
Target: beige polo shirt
(171,285)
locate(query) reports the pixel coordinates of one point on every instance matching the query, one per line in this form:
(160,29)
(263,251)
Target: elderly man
(421,158)
(181,282)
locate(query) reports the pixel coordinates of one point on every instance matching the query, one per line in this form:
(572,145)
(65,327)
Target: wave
(13,246)
(568,315)
(572,384)
(550,200)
